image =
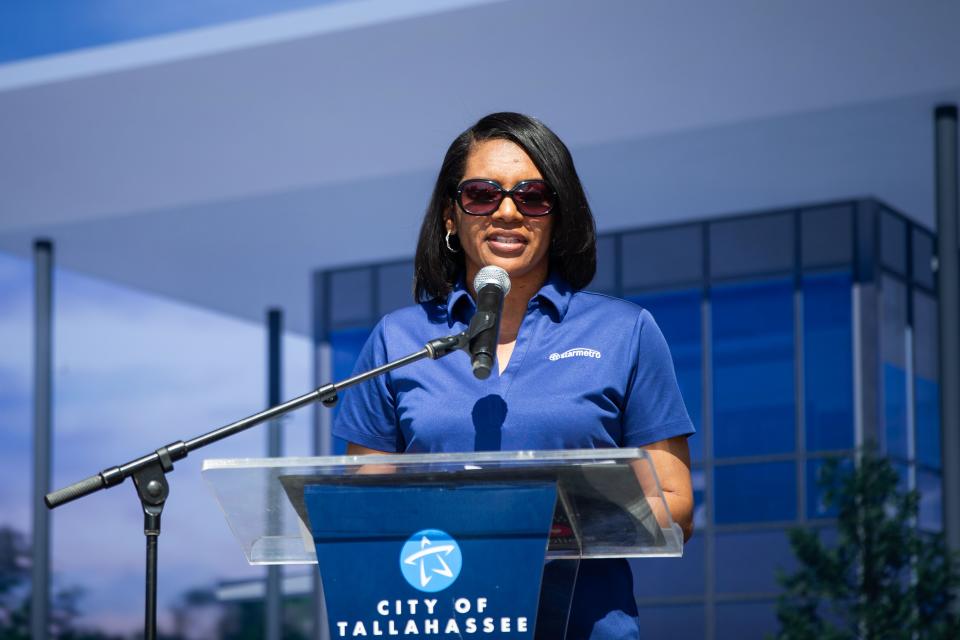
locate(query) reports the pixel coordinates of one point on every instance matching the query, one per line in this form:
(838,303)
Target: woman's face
(506,238)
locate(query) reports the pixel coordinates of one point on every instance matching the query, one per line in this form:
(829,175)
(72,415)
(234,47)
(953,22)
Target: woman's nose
(508,211)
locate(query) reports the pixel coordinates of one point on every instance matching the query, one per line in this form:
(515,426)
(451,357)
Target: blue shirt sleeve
(653,408)
(367,414)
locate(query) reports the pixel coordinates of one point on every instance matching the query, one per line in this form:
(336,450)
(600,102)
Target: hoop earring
(447,240)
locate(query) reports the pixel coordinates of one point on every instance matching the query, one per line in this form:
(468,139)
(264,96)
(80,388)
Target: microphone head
(492,274)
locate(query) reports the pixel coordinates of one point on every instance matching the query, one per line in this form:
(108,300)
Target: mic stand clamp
(153,489)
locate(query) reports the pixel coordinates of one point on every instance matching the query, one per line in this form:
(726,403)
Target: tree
(882,578)
(15,596)
(14,571)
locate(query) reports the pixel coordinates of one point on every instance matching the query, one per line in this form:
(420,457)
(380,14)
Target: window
(816,508)
(827,236)
(699,480)
(753,364)
(923,252)
(605,279)
(345,346)
(748,562)
(930,486)
(828,362)
(673,621)
(750,246)
(667,577)
(894,367)
(758,492)
(926,380)
(394,287)
(746,620)
(350,299)
(893,241)
(662,257)
(678,315)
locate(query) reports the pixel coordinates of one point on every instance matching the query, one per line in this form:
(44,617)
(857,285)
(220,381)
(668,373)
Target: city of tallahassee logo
(430,560)
(576,352)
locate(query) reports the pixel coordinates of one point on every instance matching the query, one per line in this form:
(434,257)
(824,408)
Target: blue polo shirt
(587,371)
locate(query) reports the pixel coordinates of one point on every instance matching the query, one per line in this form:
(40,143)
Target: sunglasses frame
(504,193)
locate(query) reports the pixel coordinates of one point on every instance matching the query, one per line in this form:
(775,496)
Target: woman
(576,369)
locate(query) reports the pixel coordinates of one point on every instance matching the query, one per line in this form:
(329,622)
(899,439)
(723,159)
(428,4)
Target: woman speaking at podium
(573,369)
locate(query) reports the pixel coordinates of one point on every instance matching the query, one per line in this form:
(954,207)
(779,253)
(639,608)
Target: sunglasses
(483,197)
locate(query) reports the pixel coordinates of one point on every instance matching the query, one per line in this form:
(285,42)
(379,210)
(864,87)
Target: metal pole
(322,438)
(948,286)
(274,590)
(42,394)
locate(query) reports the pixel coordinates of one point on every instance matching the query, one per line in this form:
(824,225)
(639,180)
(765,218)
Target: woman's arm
(360,450)
(370,469)
(671,460)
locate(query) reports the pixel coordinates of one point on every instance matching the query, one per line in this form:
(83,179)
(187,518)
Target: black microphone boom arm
(149,471)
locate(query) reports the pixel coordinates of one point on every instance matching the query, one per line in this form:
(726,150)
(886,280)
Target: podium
(483,544)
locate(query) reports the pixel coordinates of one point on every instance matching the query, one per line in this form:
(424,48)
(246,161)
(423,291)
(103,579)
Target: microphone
(492,285)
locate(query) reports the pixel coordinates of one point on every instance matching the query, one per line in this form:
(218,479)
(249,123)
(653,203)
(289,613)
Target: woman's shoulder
(415,316)
(611,308)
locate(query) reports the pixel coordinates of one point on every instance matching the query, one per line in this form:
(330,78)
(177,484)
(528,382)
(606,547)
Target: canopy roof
(221,166)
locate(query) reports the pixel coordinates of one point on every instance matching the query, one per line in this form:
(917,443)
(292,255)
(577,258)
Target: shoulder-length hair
(573,244)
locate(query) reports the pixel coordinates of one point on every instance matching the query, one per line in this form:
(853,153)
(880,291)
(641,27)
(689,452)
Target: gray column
(322,439)
(274,591)
(42,432)
(948,279)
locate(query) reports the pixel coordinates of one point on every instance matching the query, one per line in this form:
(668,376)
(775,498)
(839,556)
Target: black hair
(573,239)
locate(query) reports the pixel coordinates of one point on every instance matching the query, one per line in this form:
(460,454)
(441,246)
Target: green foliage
(195,609)
(14,574)
(882,578)
(15,596)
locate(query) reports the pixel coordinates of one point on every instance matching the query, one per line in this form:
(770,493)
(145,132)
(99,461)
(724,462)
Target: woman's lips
(506,243)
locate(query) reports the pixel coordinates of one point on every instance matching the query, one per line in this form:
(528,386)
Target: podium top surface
(609,500)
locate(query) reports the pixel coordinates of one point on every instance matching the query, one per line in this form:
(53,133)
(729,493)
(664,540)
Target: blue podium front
(447,545)
(431,560)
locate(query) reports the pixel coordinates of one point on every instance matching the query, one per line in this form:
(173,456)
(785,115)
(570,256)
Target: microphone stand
(149,472)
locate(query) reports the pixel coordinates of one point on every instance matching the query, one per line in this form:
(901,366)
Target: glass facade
(753,377)
(797,336)
(827,361)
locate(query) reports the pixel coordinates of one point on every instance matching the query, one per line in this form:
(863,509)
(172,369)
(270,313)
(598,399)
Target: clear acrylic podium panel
(609,501)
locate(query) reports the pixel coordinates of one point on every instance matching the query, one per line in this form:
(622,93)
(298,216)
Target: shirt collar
(457,300)
(555,291)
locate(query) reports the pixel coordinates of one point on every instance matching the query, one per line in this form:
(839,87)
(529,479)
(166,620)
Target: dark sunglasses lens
(480,198)
(534,199)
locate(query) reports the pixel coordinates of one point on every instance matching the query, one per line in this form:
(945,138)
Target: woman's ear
(449,223)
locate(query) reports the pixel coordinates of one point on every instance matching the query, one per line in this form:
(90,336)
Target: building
(252,160)
(797,334)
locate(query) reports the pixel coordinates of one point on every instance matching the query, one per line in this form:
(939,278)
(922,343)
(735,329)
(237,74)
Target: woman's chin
(519,269)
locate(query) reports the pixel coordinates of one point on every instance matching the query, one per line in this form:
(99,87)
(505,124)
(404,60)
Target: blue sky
(133,372)
(29,29)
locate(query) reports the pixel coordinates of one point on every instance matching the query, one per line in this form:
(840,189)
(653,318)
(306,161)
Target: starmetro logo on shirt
(576,352)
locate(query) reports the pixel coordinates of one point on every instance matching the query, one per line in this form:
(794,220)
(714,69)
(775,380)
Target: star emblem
(431,555)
